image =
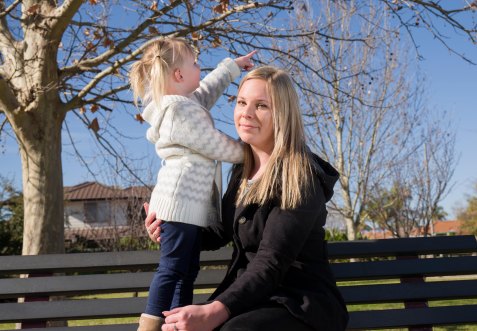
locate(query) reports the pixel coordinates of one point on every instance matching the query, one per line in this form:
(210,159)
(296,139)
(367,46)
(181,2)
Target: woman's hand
(153,225)
(245,62)
(196,317)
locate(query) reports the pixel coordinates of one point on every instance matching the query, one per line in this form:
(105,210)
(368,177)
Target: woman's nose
(247,112)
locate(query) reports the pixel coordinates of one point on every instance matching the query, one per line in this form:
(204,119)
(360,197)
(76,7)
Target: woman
(273,212)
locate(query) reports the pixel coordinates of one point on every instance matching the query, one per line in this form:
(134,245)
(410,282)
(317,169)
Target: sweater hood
(154,113)
(327,175)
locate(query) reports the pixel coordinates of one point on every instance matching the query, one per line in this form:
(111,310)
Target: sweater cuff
(232,67)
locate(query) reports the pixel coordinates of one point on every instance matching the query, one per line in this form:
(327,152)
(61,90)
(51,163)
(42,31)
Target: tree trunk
(351,228)
(40,149)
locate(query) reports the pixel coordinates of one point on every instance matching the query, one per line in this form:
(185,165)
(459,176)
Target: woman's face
(253,115)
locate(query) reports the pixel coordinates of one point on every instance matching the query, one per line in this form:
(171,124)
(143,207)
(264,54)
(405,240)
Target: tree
(468,215)
(69,58)
(360,105)
(11,218)
(388,209)
(364,105)
(72,57)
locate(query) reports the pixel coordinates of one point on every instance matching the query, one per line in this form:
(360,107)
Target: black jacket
(280,256)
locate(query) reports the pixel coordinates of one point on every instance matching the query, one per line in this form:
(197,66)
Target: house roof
(439,227)
(98,191)
(447,226)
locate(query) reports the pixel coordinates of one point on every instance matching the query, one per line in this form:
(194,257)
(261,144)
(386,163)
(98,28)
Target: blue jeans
(172,285)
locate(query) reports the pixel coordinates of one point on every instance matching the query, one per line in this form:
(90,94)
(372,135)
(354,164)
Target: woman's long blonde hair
(288,174)
(149,75)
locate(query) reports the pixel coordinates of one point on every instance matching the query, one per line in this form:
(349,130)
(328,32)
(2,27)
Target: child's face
(253,115)
(190,71)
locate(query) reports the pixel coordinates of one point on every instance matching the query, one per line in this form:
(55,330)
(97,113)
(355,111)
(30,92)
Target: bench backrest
(407,273)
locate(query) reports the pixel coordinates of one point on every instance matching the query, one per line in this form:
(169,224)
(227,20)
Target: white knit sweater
(183,132)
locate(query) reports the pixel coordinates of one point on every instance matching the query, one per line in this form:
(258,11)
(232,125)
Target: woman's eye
(262,106)
(241,103)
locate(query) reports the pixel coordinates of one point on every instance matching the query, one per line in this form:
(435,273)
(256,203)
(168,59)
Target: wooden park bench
(411,274)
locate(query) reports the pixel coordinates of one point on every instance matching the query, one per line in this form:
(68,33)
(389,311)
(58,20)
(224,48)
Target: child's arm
(194,129)
(215,83)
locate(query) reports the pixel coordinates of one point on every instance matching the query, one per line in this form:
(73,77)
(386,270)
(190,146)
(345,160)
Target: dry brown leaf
(94,125)
(139,118)
(153,30)
(197,36)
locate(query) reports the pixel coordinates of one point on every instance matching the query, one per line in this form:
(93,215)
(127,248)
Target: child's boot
(150,323)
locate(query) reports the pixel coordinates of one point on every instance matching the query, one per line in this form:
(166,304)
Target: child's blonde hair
(149,75)
(288,174)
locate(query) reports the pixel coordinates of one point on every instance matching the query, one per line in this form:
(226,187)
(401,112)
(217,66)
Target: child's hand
(245,62)
(153,225)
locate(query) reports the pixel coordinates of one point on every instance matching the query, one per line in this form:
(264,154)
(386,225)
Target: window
(97,212)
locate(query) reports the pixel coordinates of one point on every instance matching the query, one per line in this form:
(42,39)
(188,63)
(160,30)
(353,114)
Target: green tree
(11,219)
(388,209)
(468,215)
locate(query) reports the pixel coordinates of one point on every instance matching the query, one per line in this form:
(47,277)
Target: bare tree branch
(109,148)
(64,14)
(5,11)
(6,38)
(117,49)
(74,102)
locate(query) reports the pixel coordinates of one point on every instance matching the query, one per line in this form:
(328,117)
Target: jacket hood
(327,176)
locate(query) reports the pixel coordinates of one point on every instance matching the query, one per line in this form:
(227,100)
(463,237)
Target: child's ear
(177,75)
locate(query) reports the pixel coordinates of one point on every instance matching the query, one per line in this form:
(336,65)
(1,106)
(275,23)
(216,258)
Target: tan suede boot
(150,323)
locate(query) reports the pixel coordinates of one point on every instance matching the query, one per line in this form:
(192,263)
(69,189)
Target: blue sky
(451,86)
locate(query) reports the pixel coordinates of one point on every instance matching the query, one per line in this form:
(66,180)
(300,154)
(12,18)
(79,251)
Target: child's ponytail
(149,75)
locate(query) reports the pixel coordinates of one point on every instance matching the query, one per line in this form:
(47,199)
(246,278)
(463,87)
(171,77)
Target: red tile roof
(448,226)
(97,191)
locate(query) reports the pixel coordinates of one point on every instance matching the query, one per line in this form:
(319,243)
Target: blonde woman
(177,104)
(273,212)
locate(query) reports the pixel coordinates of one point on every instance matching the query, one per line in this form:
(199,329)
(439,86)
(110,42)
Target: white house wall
(75,214)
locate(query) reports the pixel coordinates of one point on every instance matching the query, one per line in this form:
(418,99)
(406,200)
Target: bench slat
(93,284)
(382,293)
(403,246)
(114,327)
(134,260)
(460,265)
(77,309)
(396,318)
(85,262)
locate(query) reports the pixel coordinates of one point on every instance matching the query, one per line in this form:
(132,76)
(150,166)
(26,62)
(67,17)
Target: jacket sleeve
(284,236)
(215,83)
(220,233)
(193,128)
